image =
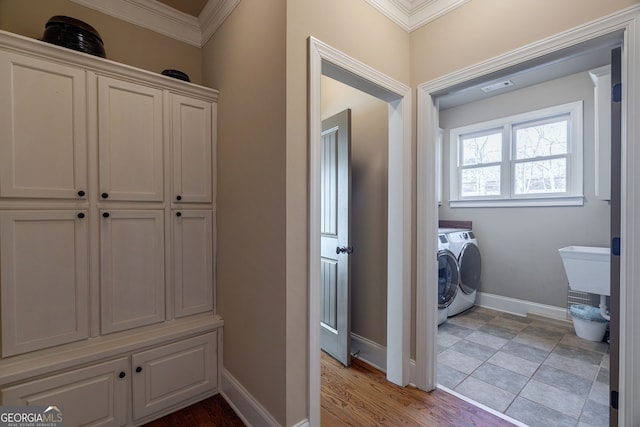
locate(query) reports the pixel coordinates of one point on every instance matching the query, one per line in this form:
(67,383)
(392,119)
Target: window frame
(574,167)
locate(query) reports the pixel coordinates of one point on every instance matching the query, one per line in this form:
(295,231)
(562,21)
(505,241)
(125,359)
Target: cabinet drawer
(168,375)
(91,396)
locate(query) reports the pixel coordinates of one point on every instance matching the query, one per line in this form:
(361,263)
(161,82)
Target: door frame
(328,61)
(427,214)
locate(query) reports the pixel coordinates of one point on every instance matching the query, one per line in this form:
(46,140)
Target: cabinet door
(130,140)
(42,129)
(92,396)
(192,148)
(131,269)
(193,261)
(44,279)
(165,376)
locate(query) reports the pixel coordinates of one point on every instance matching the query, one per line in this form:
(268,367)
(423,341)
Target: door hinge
(615,246)
(614,399)
(616,92)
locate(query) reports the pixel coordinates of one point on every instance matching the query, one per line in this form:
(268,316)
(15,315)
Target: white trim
(325,60)
(625,20)
(213,16)
(250,411)
(520,307)
(483,407)
(166,20)
(369,352)
(520,202)
(573,196)
(413,14)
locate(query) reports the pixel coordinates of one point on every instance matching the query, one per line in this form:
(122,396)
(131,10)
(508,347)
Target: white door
(192,261)
(43,136)
(335,277)
(130,141)
(132,267)
(192,149)
(44,274)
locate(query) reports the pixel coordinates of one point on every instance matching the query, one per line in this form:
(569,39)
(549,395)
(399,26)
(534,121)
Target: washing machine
(464,246)
(448,277)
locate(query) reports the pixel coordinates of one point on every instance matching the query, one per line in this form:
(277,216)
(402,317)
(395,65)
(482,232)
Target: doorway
(428,109)
(327,61)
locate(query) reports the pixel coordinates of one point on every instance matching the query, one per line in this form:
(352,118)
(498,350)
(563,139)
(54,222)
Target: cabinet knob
(81,215)
(178,213)
(105,214)
(105,195)
(178,197)
(81,193)
(139,369)
(122,374)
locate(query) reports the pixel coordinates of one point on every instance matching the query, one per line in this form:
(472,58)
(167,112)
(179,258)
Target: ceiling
(190,7)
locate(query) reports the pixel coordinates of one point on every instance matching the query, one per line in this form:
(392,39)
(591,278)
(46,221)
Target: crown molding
(165,20)
(413,14)
(214,13)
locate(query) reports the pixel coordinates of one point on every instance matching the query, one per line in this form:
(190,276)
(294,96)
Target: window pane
(542,139)
(483,181)
(545,176)
(479,149)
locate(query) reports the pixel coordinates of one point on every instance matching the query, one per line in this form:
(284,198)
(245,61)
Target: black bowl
(176,75)
(73,34)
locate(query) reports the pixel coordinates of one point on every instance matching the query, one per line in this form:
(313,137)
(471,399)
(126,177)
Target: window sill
(516,203)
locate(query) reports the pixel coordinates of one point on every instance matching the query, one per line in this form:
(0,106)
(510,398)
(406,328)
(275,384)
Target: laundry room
(522,164)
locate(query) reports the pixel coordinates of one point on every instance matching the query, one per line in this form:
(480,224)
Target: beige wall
(369,164)
(480,30)
(245,60)
(124,42)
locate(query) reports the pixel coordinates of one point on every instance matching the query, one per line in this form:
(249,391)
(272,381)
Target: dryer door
(470,268)
(448,278)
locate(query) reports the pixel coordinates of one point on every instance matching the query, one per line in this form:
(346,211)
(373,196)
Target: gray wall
(519,245)
(369,161)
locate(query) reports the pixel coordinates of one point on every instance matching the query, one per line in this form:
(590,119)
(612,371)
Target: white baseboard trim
(303,423)
(244,404)
(520,307)
(369,351)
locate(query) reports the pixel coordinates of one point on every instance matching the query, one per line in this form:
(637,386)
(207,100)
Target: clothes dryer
(464,246)
(448,277)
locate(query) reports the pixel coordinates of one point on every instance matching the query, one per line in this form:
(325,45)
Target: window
(525,160)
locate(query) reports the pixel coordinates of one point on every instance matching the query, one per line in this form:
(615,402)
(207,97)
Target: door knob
(345,249)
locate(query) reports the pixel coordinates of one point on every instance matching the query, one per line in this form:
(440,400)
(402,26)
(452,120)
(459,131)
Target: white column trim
(324,59)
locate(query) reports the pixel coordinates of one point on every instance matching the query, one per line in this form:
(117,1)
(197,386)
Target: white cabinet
(97,270)
(130,141)
(131,268)
(43,153)
(93,396)
(43,278)
(192,267)
(165,376)
(192,125)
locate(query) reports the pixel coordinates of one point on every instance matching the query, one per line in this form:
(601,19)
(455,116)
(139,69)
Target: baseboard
(244,404)
(369,352)
(520,307)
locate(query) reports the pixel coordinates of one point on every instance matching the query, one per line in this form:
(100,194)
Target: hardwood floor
(361,396)
(355,396)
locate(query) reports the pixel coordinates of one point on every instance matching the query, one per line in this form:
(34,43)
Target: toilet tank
(587,268)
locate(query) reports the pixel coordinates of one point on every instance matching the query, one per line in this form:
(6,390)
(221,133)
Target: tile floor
(535,371)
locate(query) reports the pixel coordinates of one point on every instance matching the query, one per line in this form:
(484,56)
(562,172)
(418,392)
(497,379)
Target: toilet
(587,270)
